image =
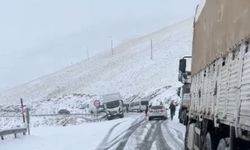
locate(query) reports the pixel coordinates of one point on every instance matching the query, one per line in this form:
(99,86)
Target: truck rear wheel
(184,115)
(180,117)
(122,116)
(208,143)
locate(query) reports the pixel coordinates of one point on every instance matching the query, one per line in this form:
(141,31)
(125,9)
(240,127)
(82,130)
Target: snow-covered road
(129,133)
(148,135)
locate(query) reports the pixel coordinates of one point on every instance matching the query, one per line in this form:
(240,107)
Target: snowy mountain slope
(66,28)
(130,71)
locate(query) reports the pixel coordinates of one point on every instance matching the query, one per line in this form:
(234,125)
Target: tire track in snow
(121,138)
(106,138)
(150,137)
(162,144)
(154,138)
(175,143)
(131,130)
(158,137)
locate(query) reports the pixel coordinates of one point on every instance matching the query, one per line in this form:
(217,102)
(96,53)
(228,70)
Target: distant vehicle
(113,105)
(138,106)
(158,112)
(63,112)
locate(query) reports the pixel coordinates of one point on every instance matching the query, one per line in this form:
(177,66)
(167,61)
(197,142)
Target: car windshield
(113,104)
(157,107)
(144,102)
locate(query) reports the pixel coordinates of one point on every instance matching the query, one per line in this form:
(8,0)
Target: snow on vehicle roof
(141,99)
(145,99)
(111,97)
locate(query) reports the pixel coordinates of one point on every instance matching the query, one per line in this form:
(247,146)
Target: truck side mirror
(182,65)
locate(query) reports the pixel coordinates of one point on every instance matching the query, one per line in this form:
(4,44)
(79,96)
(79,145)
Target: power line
(111,46)
(87,52)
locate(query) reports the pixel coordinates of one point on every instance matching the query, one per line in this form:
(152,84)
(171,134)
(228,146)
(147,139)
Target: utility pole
(151,56)
(111,46)
(22,109)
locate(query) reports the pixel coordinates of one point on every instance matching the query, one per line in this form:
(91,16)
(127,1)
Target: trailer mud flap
(190,140)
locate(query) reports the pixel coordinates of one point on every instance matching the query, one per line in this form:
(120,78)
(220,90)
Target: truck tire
(184,116)
(181,117)
(223,145)
(208,143)
(186,138)
(122,116)
(149,118)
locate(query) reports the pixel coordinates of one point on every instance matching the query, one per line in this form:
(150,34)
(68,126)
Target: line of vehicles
(139,105)
(216,92)
(114,107)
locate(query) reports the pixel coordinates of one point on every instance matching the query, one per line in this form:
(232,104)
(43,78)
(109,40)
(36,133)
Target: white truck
(113,105)
(219,113)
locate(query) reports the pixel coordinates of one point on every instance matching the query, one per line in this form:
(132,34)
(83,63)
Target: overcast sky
(38,37)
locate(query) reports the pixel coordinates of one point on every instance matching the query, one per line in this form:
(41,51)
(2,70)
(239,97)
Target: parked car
(63,112)
(158,112)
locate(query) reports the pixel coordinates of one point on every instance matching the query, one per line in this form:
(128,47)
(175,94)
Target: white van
(138,106)
(113,105)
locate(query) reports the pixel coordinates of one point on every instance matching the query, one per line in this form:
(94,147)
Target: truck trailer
(219,112)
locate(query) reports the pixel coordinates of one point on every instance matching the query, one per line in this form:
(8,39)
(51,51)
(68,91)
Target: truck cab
(184,91)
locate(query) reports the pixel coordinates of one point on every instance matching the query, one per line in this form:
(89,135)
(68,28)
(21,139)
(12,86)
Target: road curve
(144,135)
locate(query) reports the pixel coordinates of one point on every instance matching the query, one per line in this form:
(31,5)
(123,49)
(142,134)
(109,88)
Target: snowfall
(131,71)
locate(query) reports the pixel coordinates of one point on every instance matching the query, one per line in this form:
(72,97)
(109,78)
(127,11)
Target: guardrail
(47,115)
(86,116)
(12,131)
